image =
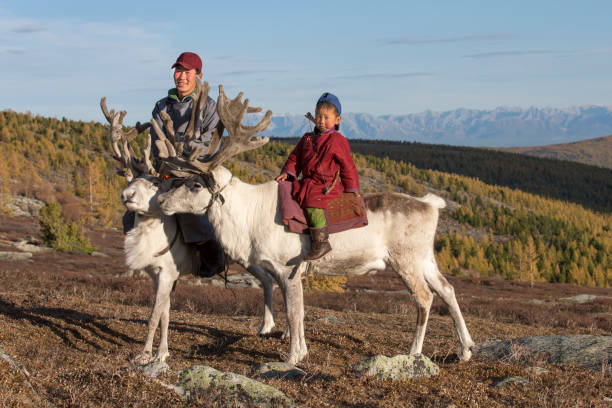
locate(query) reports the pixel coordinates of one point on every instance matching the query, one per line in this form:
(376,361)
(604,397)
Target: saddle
(346,212)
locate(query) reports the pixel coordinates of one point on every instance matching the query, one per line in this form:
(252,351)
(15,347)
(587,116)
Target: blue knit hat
(330,98)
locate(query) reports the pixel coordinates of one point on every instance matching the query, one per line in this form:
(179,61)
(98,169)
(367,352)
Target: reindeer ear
(162,149)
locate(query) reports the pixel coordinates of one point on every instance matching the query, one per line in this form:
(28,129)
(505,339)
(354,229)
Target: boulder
(537,370)
(236,389)
(502,382)
(329,319)
(399,367)
(279,370)
(584,350)
(15,256)
(582,298)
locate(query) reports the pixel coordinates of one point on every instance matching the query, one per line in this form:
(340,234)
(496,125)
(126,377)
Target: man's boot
(320,243)
(212,258)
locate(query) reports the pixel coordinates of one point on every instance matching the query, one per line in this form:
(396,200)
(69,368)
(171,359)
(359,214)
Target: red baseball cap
(189,60)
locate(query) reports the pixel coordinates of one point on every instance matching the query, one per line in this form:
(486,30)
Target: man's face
(185,80)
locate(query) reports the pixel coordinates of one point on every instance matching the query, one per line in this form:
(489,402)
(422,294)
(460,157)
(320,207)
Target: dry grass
(74,323)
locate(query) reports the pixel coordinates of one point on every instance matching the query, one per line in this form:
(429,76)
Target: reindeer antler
(240,138)
(125,154)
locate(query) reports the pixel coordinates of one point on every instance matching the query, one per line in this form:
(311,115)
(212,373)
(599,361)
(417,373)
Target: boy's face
(326,118)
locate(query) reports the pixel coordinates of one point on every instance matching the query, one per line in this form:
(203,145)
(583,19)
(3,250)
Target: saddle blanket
(346,212)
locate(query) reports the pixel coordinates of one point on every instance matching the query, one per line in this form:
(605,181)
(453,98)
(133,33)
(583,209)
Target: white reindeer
(247,221)
(156,244)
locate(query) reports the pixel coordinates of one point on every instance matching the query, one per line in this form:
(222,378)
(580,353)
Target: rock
(584,350)
(236,389)
(535,301)
(279,370)
(583,298)
(330,319)
(23,206)
(538,370)
(399,367)
(502,382)
(15,256)
(154,369)
(26,246)
(99,254)
(238,280)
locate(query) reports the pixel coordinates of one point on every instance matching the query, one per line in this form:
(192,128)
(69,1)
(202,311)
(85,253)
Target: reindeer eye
(197,186)
(156,183)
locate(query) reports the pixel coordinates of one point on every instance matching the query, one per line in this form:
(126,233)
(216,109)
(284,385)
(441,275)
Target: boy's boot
(212,258)
(320,243)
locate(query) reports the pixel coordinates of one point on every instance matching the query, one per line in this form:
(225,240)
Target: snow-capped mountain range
(466,127)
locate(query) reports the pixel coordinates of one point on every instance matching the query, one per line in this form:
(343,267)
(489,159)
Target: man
(197,230)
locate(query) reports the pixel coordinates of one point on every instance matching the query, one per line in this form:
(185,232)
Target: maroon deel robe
(317,159)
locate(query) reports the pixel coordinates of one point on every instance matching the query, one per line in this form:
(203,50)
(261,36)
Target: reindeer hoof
(264,331)
(465,353)
(143,359)
(161,357)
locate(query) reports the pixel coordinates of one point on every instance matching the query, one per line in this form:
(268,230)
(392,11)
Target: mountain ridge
(499,127)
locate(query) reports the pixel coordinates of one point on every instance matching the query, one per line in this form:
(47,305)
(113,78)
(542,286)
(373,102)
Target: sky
(58,58)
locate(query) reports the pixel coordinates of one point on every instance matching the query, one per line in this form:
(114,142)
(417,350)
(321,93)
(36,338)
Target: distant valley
(500,127)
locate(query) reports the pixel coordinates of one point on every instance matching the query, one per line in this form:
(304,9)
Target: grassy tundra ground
(74,321)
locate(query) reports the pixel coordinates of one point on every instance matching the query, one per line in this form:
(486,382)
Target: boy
(323,158)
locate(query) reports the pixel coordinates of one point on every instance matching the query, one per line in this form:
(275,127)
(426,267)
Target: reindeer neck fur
(150,235)
(243,217)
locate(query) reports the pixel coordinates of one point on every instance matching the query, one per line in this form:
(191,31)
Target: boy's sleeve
(291,166)
(348,171)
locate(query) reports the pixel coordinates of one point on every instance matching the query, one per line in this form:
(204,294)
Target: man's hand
(281,177)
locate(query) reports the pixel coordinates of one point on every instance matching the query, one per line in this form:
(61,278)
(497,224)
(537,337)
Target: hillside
(594,152)
(487,230)
(75,321)
(582,184)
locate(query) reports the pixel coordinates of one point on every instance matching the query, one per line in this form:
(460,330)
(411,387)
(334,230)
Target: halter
(214,195)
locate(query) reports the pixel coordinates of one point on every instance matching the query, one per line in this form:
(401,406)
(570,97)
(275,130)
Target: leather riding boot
(212,258)
(320,243)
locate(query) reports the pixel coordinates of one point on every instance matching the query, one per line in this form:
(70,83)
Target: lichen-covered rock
(537,370)
(280,370)
(399,367)
(238,390)
(502,382)
(584,350)
(330,319)
(582,298)
(15,256)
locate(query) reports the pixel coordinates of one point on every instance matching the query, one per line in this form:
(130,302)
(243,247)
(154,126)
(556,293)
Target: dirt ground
(74,321)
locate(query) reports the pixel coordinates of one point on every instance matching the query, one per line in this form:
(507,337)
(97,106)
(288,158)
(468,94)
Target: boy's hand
(281,177)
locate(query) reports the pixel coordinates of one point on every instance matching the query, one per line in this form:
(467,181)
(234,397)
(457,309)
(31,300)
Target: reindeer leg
(294,301)
(145,355)
(423,297)
(163,297)
(445,290)
(267,282)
